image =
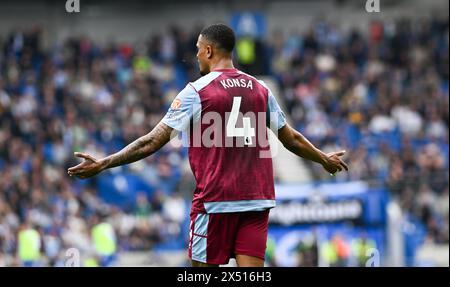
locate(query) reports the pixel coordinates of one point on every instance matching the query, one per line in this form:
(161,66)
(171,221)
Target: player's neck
(222,64)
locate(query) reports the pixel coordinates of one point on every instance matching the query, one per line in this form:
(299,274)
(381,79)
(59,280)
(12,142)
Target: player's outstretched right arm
(139,149)
(299,145)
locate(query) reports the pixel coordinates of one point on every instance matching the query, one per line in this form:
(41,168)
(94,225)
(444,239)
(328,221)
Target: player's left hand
(89,167)
(334,163)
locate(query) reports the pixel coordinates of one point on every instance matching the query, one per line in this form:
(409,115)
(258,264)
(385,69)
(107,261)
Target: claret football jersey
(225,115)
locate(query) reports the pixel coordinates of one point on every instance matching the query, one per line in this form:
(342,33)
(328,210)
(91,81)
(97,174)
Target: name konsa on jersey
(237,83)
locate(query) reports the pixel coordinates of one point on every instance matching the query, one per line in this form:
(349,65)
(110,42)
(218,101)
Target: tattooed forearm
(140,148)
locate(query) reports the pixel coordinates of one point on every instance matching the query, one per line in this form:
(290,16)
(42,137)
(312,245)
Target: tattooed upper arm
(159,136)
(143,146)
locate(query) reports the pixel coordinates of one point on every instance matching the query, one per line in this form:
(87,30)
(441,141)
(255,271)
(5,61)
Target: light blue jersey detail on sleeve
(185,106)
(205,80)
(277,119)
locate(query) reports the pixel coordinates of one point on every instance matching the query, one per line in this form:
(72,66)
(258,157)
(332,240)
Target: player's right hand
(334,163)
(89,167)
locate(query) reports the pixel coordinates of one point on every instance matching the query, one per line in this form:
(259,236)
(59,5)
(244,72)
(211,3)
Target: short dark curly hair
(221,35)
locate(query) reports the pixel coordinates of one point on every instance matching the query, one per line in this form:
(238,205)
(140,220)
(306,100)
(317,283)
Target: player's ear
(209,51)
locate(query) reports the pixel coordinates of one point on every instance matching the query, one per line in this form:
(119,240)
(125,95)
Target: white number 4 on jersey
(246,131)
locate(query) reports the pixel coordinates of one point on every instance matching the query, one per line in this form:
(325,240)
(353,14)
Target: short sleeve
(184,107)
(276,117)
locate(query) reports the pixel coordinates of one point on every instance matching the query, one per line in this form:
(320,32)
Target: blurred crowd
(79,96)
(383,96)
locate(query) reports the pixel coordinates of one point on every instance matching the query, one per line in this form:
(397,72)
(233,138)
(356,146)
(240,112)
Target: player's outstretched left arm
(139,149)
(299,145)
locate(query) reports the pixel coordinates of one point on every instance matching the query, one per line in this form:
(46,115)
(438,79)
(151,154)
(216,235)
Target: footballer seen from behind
(225,115)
